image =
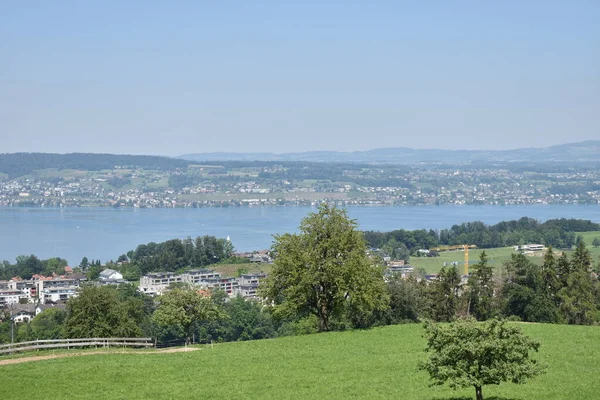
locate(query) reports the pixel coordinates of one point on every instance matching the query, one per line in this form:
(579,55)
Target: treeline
(19,164)
(169,256)
(561,290)
(558,233)
(176,254)
(26,266)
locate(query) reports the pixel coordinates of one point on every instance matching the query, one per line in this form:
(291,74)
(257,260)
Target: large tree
(49,324)
(408,299)
(445,295)
(466,353)
(185,308)
(528,292)
(481,289)
(325,271)
(101,311)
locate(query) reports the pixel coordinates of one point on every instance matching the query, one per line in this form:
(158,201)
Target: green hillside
(374,364)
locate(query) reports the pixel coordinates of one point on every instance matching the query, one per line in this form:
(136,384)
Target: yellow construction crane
(466,248)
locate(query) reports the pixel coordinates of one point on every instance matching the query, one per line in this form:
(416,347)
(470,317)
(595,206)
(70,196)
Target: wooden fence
(72,343)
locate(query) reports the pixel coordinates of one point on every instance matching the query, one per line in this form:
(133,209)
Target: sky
(176,77)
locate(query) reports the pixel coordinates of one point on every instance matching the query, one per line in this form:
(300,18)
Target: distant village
(155,189)
(31,296)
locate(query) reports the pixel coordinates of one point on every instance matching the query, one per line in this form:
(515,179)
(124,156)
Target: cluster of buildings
(39,289)
(245,285)
(416,186)
(49,290)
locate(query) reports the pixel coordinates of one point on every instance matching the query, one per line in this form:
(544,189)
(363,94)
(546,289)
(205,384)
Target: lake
(103,233)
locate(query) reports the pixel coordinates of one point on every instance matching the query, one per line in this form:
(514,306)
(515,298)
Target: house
(156,283)
(198,276)
(28,287)
(43,307)
(57,289)
(227,284)
(252,279)
(248,285)
(395,263)
(55,294)
(110,274)
(11,296)
(530,247)
(23,313)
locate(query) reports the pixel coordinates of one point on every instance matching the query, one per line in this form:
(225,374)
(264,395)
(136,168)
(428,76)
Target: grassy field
(374,364)
(231,269)
(496,257)
(588,237)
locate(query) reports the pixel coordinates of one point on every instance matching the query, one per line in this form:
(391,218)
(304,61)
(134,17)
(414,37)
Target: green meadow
(364,364)
(496,256)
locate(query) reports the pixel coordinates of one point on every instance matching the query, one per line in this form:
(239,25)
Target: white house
(23,313)
(53,294)
(110,274)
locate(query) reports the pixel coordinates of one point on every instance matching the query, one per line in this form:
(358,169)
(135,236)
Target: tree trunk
(324,319)
(324,324)
(478,393)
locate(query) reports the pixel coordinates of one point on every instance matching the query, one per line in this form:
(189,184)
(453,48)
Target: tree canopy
(466,353)
(184,308)
(104,311)
(325,271)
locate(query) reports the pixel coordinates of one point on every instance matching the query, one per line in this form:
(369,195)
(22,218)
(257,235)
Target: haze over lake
(102,233)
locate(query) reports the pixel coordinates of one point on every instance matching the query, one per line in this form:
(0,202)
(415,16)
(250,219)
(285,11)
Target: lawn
(588,238)
(373,364)
(231,269)
(496,257)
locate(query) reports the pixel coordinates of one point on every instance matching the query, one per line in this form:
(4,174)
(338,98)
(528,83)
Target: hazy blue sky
(173,77)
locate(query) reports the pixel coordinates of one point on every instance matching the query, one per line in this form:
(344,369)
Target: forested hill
(588,151)
(19,164)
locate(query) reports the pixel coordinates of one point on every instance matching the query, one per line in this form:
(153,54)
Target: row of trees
(558,233)
(171,255)
(19,164)
(26,266)
(176,254)
(560,290)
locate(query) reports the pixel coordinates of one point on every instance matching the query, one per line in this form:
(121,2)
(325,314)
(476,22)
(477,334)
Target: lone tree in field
(325,271)
(466,353)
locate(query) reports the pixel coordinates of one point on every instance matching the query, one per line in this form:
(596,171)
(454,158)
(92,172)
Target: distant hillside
(588,151)
(19,164)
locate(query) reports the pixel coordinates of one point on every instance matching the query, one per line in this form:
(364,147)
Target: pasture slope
(373,364)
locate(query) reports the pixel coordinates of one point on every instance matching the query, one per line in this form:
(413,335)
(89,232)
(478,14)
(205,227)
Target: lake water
(100,233)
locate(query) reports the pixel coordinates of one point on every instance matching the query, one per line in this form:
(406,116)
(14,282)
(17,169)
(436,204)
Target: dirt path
(90,353)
